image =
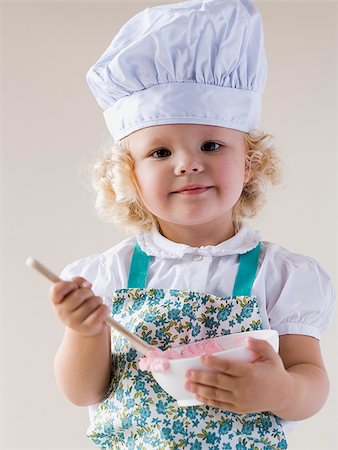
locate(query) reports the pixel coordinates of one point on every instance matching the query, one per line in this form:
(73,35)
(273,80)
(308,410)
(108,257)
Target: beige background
(50,129)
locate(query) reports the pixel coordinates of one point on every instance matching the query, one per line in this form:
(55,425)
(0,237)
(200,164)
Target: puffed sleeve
(302,295)
(107,271)
(93,269)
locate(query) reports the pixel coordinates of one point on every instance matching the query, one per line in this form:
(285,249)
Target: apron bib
(136,412)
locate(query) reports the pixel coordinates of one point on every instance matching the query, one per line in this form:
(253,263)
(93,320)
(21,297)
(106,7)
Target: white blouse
(295,294)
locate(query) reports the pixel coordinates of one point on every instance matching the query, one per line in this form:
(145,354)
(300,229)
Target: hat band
(194,103)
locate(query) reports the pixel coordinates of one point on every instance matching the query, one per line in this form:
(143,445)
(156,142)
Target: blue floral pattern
(138,414)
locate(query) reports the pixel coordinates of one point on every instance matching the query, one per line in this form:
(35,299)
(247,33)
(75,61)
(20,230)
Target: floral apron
(136,412)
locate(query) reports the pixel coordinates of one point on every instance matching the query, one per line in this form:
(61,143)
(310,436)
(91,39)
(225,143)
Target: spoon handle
(135,341)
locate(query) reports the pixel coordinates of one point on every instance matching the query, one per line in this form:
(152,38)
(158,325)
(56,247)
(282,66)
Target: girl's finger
(97,316)
(227,366)
(210,392)
(216,379)
(84,310)
(216,404)
(60,290)
(82,282)
(75,299)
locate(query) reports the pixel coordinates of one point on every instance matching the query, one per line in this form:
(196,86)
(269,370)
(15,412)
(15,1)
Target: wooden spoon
(135,341)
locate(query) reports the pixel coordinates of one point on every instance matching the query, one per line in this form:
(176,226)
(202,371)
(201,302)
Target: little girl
(181,90)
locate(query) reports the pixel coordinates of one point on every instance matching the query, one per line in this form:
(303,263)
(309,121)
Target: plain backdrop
(51,128)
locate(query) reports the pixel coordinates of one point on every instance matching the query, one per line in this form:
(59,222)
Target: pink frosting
(158,361)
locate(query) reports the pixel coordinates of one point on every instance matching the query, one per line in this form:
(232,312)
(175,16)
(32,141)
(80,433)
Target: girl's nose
(194,169)
(187,166)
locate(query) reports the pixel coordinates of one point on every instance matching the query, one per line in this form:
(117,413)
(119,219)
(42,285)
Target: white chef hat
(198,61)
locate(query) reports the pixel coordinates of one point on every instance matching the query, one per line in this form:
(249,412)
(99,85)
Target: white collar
(154,244)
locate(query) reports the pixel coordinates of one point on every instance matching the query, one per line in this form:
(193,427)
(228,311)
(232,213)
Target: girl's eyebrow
(157,142)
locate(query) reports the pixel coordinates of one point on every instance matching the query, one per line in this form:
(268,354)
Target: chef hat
(198,61)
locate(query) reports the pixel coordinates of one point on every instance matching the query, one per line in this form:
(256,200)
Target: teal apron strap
(138,268)
(247,270)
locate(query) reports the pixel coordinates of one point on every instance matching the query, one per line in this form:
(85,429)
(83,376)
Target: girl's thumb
(262,348)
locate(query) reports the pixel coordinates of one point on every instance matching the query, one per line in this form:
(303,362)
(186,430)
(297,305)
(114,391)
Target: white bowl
(234,346)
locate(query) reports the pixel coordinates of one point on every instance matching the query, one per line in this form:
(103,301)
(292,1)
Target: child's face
(189,174)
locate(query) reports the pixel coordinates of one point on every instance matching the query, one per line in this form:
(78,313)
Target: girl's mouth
(192,190)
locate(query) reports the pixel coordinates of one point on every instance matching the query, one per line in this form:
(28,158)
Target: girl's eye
(210,147)
(161,153)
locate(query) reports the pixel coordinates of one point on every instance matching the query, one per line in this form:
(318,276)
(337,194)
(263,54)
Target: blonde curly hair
(118,199)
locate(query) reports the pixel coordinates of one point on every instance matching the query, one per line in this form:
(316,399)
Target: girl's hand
(78,307)
(241,387)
